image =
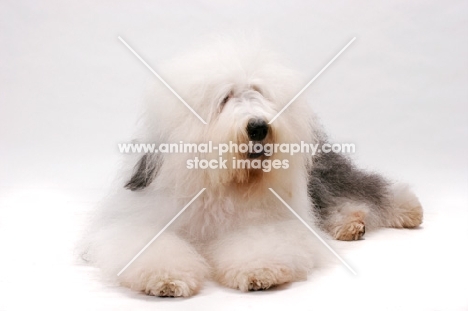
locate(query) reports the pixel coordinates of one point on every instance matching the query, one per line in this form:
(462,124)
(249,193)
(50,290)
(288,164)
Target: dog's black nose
(257,129)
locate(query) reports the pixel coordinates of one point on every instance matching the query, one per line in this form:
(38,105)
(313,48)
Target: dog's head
(241,124)
(238,88)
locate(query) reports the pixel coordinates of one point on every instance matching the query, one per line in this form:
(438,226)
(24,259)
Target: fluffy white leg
(170,266)
(264,255)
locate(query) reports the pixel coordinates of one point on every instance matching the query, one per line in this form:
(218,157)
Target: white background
(70,91)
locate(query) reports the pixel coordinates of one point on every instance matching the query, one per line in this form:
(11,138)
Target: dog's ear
(144,172)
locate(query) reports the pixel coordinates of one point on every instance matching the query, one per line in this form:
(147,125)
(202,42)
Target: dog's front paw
(350,231)
(163,283)
(257,278)
(168,288)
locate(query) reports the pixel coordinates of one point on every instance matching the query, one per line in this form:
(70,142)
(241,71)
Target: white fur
(236,232)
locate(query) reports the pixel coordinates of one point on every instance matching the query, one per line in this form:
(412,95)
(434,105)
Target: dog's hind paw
(408,216)
(407,211)
(350,231)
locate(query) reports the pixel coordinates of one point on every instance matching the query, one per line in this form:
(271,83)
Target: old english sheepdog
(236,231)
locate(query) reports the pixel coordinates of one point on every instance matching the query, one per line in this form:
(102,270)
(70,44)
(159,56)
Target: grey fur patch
(144,173)
(334,176)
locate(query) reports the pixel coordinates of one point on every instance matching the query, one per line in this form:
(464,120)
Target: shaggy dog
(236,232)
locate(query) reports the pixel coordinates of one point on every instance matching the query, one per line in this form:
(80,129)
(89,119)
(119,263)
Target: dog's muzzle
(257,130)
